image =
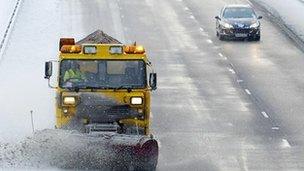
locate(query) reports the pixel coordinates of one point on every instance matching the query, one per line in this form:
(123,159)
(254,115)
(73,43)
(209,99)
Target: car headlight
(69,100)
(227,25)
(255,25)
(136,100)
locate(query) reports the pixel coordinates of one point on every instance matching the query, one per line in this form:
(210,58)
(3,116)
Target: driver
(74,73)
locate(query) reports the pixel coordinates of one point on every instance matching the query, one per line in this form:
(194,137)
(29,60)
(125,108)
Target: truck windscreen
(116,74)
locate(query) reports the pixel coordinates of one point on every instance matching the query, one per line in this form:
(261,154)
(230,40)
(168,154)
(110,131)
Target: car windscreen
(102,74)
(238,12)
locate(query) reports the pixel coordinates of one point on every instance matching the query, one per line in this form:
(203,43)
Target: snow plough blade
(134,152)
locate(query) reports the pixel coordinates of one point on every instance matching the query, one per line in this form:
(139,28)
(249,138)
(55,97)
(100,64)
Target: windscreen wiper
(128,87)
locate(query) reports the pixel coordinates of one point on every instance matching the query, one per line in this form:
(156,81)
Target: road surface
(230,105)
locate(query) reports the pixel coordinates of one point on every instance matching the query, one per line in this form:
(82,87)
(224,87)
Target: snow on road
(33,40)
(9,12)
(290,12)
(6,9)
(50,149)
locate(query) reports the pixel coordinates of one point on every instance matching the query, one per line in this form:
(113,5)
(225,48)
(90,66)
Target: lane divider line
(265,114)
(248,92)
(250,3)
(275,128)
(231,70)
(224,57)
(9,27)
(285,143)
(209,41)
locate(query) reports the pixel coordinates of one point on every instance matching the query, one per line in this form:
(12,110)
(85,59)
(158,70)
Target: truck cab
(103,87)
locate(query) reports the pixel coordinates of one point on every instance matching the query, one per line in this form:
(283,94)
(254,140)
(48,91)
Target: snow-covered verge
(8,11)
(32,41)
(288,14)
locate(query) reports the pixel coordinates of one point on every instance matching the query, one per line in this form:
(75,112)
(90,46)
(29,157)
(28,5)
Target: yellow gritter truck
(104,89)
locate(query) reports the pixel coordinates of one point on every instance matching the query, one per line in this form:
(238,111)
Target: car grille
(246,31)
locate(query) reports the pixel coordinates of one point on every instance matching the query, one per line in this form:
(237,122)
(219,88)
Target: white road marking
(186,9)
(275,128)
(205,34)
(248,92)
(239,81)
(9,28)
(265,114)
(285,143)
(209,41)
(231,70)
(225,58)
(192,17)
(201,29)
(249,3)
(221,55)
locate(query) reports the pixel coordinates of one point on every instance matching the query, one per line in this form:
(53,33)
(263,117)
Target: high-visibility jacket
(71,74)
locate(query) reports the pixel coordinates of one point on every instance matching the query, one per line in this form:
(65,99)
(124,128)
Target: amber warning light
(134,49)
(70,49)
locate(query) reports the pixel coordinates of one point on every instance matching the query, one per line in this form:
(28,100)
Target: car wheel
(217,34)
(257,38)
(221,37)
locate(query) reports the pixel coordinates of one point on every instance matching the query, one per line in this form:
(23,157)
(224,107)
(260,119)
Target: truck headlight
(136,100)
(69,100)
(255,25)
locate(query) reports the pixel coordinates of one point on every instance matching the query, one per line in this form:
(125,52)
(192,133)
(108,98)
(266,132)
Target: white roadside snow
(6,10)
(290,12)
(33,41)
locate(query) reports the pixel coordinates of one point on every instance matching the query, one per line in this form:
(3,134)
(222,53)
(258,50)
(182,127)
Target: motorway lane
(202,116)
(228,131)
(271,70)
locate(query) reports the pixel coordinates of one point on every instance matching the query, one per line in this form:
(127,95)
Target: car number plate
(241,35)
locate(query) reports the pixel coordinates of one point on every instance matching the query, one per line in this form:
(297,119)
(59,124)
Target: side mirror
(217,17)
(260,17)
(48,70)
(153,81)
